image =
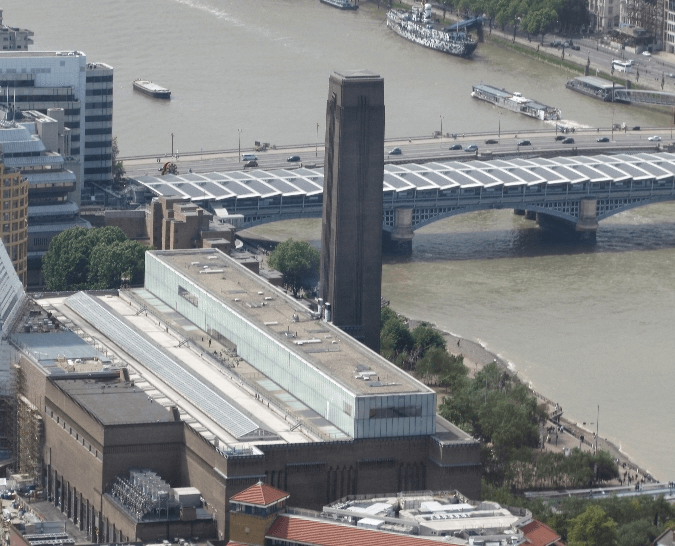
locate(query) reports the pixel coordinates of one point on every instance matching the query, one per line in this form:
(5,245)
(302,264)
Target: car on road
(636,128)
(654,139)
(293,158)
(575,47)
(252,163)
(603,139)
(568,140)
(395,151)
(560,137)
(646,54)
(555,43)
(491,141)
(455,147)
(471,148)
(524,143)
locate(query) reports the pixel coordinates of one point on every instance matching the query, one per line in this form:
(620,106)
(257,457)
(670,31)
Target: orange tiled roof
(233,543)
(329,534)
(539,534)
(260,494)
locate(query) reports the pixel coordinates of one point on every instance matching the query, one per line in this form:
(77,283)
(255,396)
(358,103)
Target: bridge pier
(519,212)
(530,215)
(585,229)
(400,239)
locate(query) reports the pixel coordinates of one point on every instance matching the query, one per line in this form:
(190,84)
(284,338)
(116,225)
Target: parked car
(566,44)
(455,147)
(524,143)
(603,139)
(294,158)
(555,43)
(395,151)
(252,163)
(575,47)
(491,141)
(471,148)
(568,140)
(654,139)
(636,128)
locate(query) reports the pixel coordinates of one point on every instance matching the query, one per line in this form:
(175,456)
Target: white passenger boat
(515,102)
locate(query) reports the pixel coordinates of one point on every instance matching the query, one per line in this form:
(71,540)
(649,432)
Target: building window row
(74,151)
(95,92)
(98,144)
(69,429)
(71,111)
(56,97)
(99,170)
(16,83)
(72,124)
(98,157)
(95,79)
(98,105)
(104,117)
(103,131)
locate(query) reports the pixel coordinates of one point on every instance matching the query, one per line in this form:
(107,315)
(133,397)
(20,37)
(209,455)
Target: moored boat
(595,87)
(515,102)
(415,25)
(152,89)
(341,4)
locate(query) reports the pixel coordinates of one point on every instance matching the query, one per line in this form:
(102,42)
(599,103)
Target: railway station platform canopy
(259,188)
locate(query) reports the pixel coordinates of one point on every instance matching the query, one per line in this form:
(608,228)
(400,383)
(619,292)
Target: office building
(14,211)
(351,247)
(36,144)
(63,79)
(14,39)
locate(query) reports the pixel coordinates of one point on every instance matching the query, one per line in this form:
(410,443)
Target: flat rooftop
(114,402)
(289,323)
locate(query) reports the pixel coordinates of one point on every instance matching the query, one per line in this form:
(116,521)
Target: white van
(248,157)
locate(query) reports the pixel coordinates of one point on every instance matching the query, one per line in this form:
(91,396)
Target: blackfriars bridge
(573,193)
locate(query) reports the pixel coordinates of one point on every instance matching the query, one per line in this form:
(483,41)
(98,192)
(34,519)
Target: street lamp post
(612,123)
(171,144)
(316,150)
(499,129)
(239,130)
(441,116)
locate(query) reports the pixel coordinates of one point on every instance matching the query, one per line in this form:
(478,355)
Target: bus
(622,66)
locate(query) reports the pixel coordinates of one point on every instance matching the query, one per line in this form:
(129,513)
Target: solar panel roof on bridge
(428,176)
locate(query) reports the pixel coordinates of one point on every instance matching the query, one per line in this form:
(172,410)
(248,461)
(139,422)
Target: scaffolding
(8,432)
(30,428)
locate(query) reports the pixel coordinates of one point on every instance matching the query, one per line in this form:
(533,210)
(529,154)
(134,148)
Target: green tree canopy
(118,170)
(298,261)
(68,262)
(593,527)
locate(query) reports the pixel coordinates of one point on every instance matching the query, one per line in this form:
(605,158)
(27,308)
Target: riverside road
(412,150)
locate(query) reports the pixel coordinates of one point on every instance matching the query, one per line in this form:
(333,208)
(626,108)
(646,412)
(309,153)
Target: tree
(298,261)
(118,170)
(396,341)
(68,262)
(592,528)
(111,265)
(426,337)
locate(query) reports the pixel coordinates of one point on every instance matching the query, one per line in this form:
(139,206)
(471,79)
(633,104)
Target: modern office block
(63,79)
(351,251)
(14,212)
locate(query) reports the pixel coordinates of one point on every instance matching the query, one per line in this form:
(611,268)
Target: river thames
(587,326)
